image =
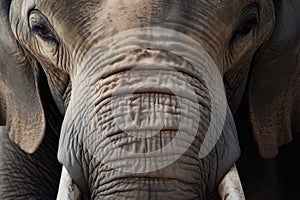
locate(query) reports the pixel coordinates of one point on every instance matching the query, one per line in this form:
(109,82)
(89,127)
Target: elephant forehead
(126,10)
(108,17)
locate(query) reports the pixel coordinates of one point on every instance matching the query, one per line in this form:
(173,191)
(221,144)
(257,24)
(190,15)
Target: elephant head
(141,87)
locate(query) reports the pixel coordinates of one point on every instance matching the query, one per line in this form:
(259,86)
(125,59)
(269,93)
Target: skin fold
(126,93)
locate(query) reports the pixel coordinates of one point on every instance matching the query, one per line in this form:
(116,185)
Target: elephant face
(140,85)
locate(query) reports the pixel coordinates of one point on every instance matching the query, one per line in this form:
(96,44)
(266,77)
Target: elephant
(139,98)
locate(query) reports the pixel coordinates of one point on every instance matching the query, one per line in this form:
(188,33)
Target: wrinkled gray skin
(52,69)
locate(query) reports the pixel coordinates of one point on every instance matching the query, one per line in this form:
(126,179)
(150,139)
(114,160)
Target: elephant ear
(274,84)
(21,107)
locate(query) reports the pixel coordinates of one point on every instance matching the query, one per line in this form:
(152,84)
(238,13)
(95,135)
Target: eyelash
(245,28)
(249,23)
(38,30)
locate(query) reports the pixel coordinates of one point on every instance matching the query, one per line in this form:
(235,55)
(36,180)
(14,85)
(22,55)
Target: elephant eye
(246,27)
(43,32)
(40,27)
(248,23)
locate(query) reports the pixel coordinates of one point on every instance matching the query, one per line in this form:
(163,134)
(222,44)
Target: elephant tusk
(68,190)
(230,187)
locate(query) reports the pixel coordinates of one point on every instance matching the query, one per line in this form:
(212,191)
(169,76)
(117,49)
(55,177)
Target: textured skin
(81,77)
(32,176)
(274,113)
(100,162)
(275,104)
(24,176)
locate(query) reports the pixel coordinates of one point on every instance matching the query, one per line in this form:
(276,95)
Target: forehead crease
(228,5)
(62,8)
(74,15)
(79,7)
(73,12)
(69,13)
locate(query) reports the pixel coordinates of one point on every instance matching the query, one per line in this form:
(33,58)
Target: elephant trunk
(142,116)
(146,128)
